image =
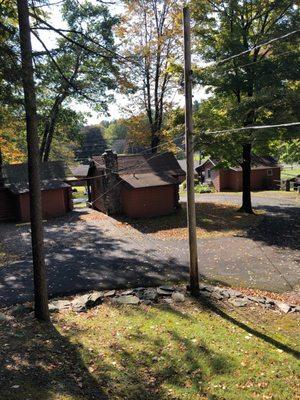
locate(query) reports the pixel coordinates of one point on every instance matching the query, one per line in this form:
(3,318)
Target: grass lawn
(213,220)
(287,173)
(80,192)
(158,352)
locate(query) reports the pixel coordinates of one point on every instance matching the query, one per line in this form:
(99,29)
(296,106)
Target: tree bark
(246,170)
(50,127)
(37,232)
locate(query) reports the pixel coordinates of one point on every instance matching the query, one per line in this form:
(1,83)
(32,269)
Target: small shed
(80,173)
(265,174)
(138,185)
(14,191)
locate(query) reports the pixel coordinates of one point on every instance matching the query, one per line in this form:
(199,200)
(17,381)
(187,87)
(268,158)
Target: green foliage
(199,188)
(115,130)
(259,87)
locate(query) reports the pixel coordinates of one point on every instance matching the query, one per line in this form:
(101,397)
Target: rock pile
(168,294)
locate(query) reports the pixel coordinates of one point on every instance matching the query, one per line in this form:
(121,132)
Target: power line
(256,127)
(220,62)
(261,60)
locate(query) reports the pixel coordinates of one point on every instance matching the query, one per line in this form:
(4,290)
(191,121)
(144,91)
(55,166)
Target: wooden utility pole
(37,232)
(189,148)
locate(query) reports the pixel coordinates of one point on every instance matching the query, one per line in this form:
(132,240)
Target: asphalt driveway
(86,250)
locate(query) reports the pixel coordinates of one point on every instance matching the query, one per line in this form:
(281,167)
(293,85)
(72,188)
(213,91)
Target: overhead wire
(222,61)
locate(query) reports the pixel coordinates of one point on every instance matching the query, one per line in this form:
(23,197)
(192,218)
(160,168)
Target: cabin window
(270,172)
(208,173)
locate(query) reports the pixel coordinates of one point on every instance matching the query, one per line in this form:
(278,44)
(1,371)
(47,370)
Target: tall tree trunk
(246,170)
(37,232)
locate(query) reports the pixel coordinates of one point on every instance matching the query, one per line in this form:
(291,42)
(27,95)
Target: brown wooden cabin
(265,174)
(136,185)
(14,191)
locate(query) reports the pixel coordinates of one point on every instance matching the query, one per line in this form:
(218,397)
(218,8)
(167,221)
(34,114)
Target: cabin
(14,191)
(137,185)
(80,173)
(265,174)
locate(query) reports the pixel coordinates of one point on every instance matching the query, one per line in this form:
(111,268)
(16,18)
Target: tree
(150,31)
(75,69)
(37,234)
(251,88)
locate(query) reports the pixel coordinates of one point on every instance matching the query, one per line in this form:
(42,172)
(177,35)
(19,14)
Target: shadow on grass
(38,362)
(207,304)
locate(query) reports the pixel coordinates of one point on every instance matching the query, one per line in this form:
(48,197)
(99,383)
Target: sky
(116,108)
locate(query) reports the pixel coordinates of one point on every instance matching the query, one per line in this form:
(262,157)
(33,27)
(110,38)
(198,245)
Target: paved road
(86,251)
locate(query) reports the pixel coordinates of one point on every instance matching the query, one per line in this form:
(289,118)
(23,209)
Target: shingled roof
(144,163)
(53,175)
(146,170)
(257,162)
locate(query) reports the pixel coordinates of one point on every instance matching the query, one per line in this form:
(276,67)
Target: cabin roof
(53,176)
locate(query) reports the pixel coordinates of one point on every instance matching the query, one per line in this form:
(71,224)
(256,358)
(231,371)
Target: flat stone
(163,292)
(271,302)
(127,292)
(225,294)
(217,296)
(285,308)
(178,297)
(234,293)
(110,293)
(127,299)
(238,302)
(94,299)
(58,305)
(167,288)
(150,294)
(79,303)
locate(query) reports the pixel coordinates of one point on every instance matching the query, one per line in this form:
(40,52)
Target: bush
(199,188)
(203,189)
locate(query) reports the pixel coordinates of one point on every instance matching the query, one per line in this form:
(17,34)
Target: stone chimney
(112,197)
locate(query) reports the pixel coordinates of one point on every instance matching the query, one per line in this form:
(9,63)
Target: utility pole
(37,232)
(189,149)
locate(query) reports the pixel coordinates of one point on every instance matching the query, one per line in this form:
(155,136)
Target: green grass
(288,173)
(157,352)
(80,192)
